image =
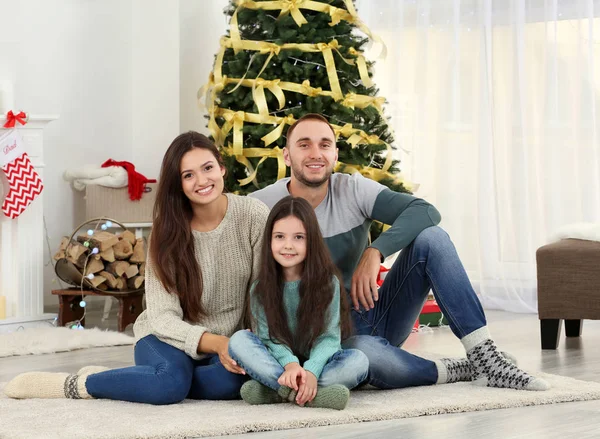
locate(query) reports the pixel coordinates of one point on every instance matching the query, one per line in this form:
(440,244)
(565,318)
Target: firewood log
(108,255)
(97,281)
(111,281)
(128,236)
(143,269)
(117,268)
(60,254)
(76,253)
(135,282)
(122,249)
(131,271)
(139,252)
(93,266)
(101,240)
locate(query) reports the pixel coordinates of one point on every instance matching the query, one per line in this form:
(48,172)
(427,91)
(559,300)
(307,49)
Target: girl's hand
(308,390)
(293,373)
(228,362)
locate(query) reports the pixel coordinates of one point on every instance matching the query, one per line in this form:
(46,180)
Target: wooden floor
(515,333)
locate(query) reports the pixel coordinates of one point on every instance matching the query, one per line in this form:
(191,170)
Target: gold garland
(235,120)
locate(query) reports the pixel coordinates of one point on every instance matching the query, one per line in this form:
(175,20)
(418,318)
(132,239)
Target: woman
(204,252)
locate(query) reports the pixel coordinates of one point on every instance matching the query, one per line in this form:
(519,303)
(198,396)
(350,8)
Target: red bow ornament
(12,119)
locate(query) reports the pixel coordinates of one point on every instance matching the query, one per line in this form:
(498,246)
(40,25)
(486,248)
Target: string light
(104,225)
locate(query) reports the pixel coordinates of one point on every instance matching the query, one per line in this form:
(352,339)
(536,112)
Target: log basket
(68,272)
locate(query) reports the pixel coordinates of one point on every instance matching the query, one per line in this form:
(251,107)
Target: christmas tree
(281,60)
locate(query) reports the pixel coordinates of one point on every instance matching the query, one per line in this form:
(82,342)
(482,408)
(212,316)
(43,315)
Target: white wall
(110,69)
(154,81)
(202,25)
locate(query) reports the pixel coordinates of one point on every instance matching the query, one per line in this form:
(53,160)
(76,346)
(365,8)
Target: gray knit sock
(255,393)
(287,394)
(494,370)
(452,370)
(334,397)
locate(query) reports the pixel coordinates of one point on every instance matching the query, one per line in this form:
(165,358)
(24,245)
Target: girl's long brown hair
(316,288)
(172,243)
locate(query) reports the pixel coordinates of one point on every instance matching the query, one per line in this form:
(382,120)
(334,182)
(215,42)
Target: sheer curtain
(494,103)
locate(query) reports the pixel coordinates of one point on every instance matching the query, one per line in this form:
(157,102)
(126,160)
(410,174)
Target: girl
(196,297)
(301,315)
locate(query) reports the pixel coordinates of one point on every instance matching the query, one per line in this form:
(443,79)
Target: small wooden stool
(130,306)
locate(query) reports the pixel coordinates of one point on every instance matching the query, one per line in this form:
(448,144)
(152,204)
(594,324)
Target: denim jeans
(429,262)
(348,367)
(164,374)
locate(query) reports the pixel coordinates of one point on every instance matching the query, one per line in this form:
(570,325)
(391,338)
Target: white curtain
(496,104)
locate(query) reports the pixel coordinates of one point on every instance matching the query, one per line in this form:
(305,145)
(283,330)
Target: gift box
(431,314)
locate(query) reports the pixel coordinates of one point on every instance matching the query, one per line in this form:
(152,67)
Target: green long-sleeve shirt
(345,215)
(324,347)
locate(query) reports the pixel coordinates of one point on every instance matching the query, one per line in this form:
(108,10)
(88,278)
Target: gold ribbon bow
(345,131)
(235,120)
(264,153)
(258,92)
(293,7)
(308,90)
(362,67)
(352,100)
(338,14)
(278,132)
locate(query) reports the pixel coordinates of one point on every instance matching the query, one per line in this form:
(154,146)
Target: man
(346,205)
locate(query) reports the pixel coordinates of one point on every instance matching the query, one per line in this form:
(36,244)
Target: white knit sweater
(229,258)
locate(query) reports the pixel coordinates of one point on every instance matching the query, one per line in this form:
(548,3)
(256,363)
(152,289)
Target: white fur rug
(35,341)
(102,419)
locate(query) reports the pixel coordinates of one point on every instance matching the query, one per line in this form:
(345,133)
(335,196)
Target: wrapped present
(381,276)
(431,314)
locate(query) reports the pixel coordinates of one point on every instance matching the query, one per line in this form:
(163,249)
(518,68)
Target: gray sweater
(229,258)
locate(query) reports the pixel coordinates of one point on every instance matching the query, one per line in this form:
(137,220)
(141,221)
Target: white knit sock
(47,385)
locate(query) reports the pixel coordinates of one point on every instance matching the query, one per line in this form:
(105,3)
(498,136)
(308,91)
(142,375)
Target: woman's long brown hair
(172,243)
(316,288)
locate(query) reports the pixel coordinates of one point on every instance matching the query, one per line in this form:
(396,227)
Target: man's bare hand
(364,281)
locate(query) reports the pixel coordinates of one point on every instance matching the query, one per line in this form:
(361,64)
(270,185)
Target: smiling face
(311,152)
(288,244)
(201,176)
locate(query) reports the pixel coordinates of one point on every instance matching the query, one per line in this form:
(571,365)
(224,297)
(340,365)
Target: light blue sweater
(324,347)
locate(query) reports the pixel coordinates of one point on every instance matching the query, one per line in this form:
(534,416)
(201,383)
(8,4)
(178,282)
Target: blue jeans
(348,367)
(429,262)
(164,374)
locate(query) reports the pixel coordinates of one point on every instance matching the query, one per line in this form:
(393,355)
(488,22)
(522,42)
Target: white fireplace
(22,243)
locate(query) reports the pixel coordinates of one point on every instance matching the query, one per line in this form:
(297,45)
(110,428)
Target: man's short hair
(309,116)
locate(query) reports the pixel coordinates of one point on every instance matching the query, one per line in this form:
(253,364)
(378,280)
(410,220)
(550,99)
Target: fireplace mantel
(22,243)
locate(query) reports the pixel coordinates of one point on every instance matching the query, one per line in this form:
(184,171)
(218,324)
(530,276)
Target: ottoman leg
(550,330)
(573,327)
